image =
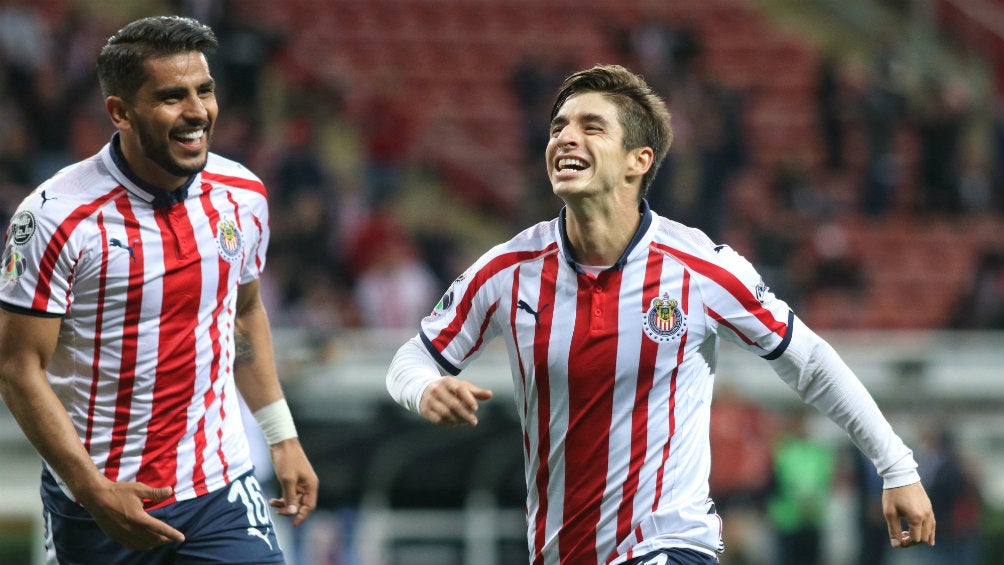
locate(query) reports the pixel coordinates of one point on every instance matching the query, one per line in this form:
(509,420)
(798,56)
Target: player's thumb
(481,393)
(156,494)
(895,531)
(287,504)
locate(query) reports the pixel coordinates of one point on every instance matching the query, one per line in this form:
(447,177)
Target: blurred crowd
(358,236)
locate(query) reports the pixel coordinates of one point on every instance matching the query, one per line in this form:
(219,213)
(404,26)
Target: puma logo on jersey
(113,242)
(255,532)
(526,308)
(46,198)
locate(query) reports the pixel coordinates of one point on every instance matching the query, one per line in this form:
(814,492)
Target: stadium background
(854,151)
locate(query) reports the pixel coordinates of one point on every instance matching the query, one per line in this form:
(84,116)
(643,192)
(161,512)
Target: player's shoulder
(532,242)
(80,183)
(682,239)
(539,235)
(225,171)
(674,234)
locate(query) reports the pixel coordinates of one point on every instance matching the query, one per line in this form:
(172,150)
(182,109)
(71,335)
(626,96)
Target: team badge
(446,302)
(14,265)
(664,321)
(229,239)
(761,290)
(22,228)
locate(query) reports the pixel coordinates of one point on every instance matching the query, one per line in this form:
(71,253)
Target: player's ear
(639,161)
(118,112)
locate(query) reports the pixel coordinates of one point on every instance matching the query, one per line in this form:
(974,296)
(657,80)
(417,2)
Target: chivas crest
(229,239)
(664,321)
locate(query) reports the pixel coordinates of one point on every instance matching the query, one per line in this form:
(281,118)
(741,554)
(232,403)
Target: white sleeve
(410,372)
(813,369)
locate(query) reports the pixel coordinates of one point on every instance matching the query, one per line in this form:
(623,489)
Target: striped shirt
(146,285)
(613,377)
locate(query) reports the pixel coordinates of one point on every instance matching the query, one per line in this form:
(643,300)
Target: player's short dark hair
(642,113)
(120,63)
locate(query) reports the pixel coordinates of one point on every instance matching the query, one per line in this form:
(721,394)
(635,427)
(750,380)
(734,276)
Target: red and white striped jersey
(147,290)
(613,377)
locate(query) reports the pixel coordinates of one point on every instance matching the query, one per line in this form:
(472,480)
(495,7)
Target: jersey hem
(28,311)
(438,356)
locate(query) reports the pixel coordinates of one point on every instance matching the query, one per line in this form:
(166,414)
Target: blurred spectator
(981,305)
(873,534)
(875,108)
(953,491)
(722,153)
(387,127)
(396,289)
(803,481)
(832,278)
(830,109)
(534,80)
(940,121)
(246,44)
(742,434)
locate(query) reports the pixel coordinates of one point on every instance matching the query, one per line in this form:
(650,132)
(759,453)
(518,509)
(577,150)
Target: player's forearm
(410,372)
(47,426)
(812,368)
(254,359)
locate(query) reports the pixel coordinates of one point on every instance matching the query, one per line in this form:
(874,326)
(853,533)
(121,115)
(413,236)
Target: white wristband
(276,421)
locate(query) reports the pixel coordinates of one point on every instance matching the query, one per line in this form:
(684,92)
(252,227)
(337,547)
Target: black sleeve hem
(439,356)
(780,349)
(27,311)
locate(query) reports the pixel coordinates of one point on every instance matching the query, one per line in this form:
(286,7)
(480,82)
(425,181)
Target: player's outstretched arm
(909,503)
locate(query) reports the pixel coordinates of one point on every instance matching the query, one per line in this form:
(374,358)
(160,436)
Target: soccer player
(611,315)
(131,318)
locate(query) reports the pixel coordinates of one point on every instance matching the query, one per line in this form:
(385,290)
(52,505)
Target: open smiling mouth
(192,138)
(571,164)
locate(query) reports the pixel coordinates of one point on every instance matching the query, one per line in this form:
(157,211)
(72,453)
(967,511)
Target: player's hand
(117,508)
(909,503)
(297,478)
(450,402)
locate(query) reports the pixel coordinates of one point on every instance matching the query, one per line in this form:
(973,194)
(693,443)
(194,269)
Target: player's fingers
(153,532)
(895,530)
(439,412)
(922,531)
(457,402)
(289,497)
(306,507)
(469,402)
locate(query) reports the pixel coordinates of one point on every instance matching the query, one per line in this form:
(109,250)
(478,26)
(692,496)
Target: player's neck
(599,235)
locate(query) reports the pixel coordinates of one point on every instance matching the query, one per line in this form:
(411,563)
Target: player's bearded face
(158,149)
(172,118)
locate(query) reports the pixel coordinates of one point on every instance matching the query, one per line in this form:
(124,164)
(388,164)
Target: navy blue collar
(161,197)
(646,221)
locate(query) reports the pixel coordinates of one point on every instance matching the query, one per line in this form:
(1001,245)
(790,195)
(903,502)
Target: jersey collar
(156,197)
(566,247)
